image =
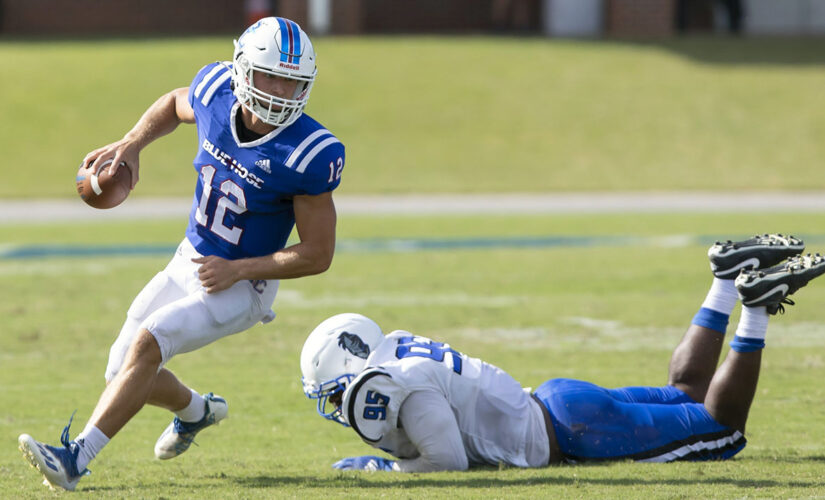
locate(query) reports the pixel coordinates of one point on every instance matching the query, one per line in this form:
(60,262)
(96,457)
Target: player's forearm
(292,262)
(426,464)
(160,119)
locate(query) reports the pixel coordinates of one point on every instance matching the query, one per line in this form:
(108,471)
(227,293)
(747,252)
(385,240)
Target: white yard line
(28,211)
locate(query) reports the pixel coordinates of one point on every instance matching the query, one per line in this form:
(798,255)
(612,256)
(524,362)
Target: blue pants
(652,424)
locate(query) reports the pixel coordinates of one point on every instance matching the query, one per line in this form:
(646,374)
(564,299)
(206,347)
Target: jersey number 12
(227,187)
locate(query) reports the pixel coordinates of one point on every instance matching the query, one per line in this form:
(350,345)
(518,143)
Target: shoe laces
(187,430)
(184,433)
(64,440)
(64,437)
(779,307)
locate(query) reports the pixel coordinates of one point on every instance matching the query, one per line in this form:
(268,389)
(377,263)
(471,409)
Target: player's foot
(179,435)
(728,258)
(771,287)
(57,464)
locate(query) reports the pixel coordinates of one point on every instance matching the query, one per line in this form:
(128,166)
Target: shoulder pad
(371,404)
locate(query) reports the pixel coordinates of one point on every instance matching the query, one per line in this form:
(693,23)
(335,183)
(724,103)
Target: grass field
(599,297)
(608,313)
(440,114)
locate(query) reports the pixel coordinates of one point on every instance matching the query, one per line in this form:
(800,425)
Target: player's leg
(169,393)
(695,359)
(665,395)
(63,467)
(175,282)
(592,423)
(129,390)
(120,401)
(192,323)
(763,292)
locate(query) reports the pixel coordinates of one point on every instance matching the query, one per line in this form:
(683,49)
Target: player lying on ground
(263,167)
(437,409)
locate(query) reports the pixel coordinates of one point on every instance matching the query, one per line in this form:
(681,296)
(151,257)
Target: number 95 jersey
(243,198)
(490,407)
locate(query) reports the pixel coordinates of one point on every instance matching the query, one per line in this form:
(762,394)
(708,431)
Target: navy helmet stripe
(295,33)
(285,48)
(291,43)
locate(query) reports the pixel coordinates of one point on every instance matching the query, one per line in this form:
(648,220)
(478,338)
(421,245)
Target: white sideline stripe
(299,300)
(698,446)
(214,87)
(306,142)
(313,153)
(29,210)
(207,79)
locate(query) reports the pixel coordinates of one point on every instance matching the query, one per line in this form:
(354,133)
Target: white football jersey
(497,419)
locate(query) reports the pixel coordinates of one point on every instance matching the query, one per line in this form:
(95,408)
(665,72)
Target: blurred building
(559,18)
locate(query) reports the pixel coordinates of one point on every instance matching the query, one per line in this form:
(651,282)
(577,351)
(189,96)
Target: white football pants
(182,317)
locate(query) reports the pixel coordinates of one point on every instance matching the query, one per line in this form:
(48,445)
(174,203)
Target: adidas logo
(263,165)
(47,459)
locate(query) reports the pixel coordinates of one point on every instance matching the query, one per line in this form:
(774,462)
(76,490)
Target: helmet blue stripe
(296,37)
(285,45)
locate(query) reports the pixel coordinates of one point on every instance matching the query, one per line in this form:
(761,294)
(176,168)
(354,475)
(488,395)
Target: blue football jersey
(243,198)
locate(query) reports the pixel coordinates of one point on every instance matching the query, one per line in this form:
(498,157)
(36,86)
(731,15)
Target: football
(100,189)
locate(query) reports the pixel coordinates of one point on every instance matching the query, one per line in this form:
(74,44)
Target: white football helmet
(275,46)
(334,354)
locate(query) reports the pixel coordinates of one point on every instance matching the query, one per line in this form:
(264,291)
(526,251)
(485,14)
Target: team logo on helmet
(354,344)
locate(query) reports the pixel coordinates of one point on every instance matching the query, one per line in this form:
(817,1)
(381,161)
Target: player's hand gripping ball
(100,189)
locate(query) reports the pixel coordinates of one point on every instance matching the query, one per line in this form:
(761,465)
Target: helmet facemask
(330,393)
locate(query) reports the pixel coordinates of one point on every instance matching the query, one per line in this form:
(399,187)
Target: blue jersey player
(433,408)
(262,167)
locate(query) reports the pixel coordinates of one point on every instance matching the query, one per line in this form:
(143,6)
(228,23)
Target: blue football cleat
(57,464)
(179,435)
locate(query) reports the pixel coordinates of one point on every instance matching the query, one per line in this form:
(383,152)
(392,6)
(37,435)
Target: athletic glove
(367,462)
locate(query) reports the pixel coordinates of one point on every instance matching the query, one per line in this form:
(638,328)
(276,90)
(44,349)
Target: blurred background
(459,112)
(584,18)
(445,96)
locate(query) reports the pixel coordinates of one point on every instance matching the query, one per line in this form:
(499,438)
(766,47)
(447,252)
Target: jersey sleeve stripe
(314,152)
(214,87)
(306,142)
(206,79)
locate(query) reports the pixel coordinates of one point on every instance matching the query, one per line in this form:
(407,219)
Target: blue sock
(714,320)
(745,344)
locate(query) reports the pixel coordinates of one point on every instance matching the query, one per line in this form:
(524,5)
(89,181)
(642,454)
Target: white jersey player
(411,396)
(434,408)
(262,167)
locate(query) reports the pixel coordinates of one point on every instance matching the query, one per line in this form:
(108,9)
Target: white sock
(90,442)
(753,324)
(195,410)
(722,296)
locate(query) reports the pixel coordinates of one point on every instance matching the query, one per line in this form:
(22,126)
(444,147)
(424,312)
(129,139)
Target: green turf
(424,114)
(608,314)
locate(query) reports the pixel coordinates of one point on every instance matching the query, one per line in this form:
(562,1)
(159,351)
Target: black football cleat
(771,287)
(728,258)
